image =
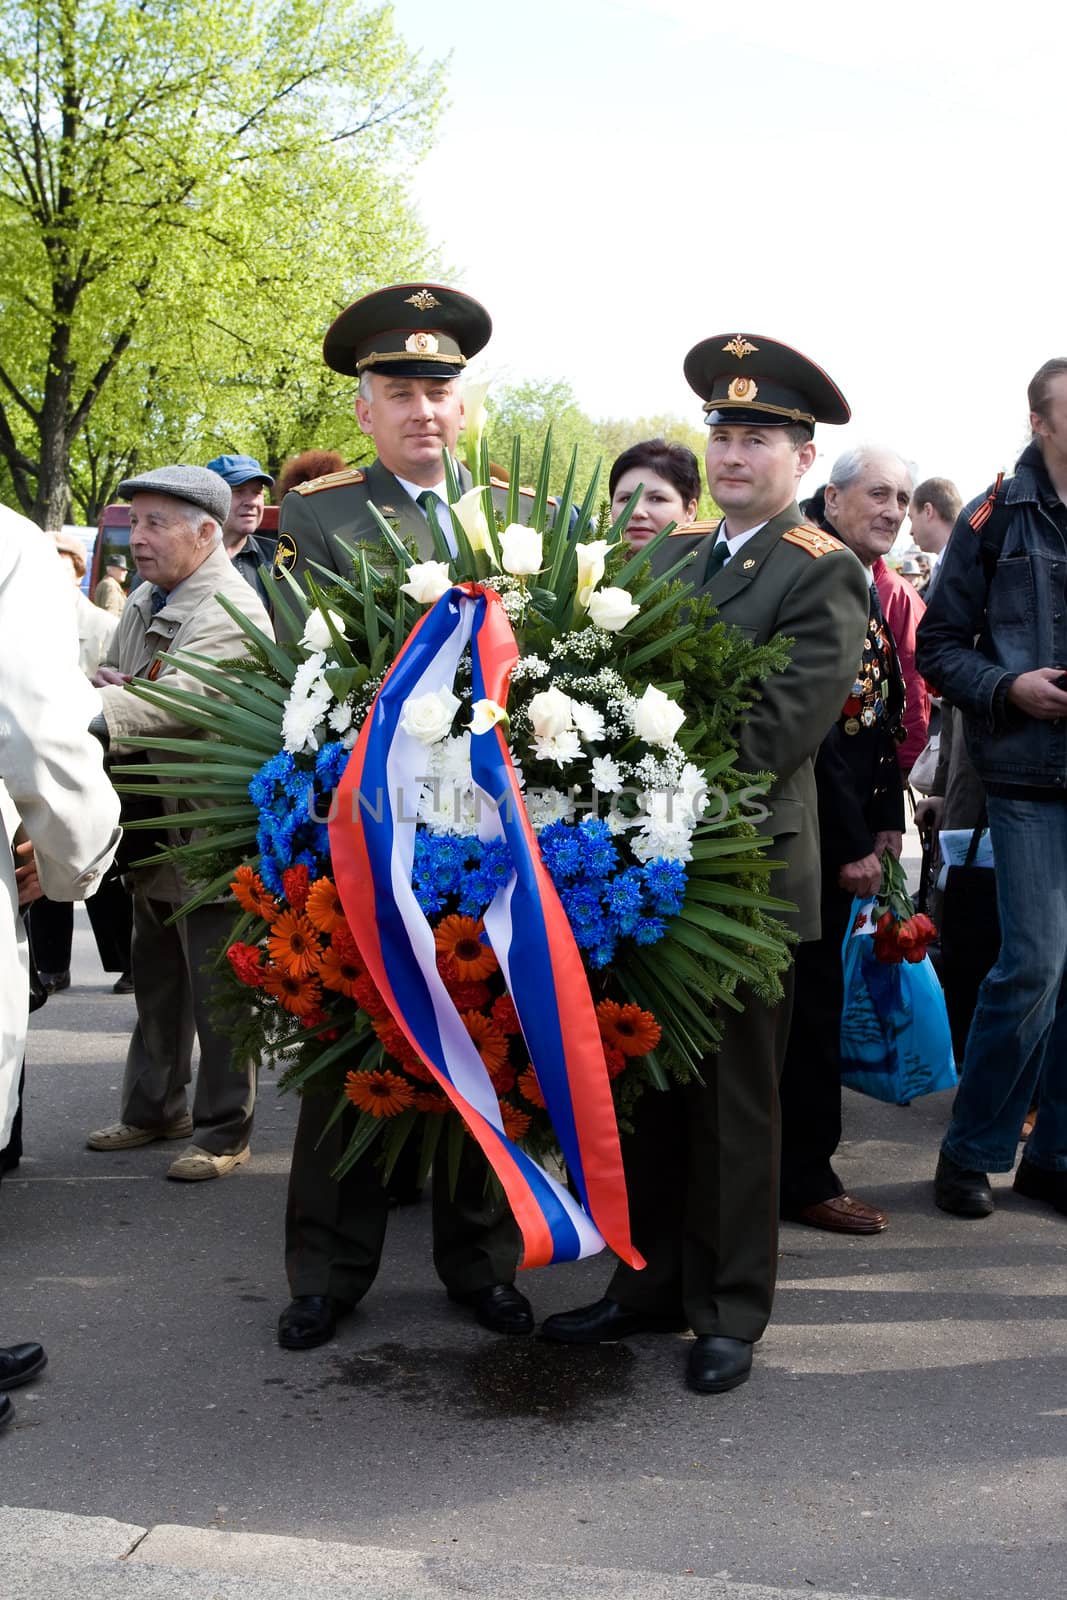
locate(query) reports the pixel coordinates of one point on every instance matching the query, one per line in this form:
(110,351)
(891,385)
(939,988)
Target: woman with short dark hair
(671,479)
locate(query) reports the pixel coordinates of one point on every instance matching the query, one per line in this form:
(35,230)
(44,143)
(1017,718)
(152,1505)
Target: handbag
(896,1043)
(970,936)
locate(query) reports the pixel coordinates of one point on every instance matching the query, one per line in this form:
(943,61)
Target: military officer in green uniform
(408,345)
(702,1167)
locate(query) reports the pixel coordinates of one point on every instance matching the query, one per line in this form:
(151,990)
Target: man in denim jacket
(994,642)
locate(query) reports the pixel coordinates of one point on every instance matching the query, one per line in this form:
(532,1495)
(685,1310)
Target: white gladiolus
(656,717)
(588,720)
(470,514)
(316,634)
(611,609)
(550,713)
(427,581)
(428,717)
(486,715)
(590,568)
(521,550)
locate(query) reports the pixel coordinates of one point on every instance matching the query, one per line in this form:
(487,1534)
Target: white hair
(194,518)
(850,464)
(364,386)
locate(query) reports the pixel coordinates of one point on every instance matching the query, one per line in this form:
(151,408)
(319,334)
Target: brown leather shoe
(842,1214)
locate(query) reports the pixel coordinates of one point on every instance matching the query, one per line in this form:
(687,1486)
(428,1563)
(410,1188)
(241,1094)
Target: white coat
(51,767)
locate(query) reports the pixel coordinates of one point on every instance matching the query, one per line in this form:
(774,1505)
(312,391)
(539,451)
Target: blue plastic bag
(896,1043)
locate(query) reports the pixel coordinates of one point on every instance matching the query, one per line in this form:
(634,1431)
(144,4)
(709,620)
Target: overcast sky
(618,179)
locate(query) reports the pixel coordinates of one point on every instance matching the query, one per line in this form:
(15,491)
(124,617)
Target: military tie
(428,499)
(720,555)
(875,605)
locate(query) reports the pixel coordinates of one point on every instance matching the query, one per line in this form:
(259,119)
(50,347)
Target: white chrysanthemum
(655,837)
(340,718)
(588,720)
(451,760)
(300,721)
(548,805)
(562,748)
(305,675)
(606,774)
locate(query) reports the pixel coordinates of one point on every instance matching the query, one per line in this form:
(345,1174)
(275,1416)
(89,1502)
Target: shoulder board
(692,530)
(503,483)
(330,480)
(814,540)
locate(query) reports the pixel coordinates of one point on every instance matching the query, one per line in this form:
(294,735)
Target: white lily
(470,514)
(475,417)
(590,568)
(487,713)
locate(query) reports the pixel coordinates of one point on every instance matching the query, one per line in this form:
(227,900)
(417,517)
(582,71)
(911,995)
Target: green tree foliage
(529,409)
(188,192)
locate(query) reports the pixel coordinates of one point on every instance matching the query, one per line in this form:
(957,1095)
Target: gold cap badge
(743,389)
(422,300)
(421,344)
(740,347)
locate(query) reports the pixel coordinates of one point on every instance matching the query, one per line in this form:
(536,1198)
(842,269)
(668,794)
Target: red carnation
(504,1015)
(245,961)
(295,884)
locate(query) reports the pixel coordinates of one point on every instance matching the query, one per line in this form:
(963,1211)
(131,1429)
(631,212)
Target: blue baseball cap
(239,469)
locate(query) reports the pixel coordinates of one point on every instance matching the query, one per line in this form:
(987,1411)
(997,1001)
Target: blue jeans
(1018,1037)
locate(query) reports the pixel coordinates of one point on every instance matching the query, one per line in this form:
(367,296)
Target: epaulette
(690,530)
(330,480)
(816,541)
(503,483)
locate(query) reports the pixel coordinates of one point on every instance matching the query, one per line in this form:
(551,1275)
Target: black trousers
(110,916)
(811,1078)
(335,1229)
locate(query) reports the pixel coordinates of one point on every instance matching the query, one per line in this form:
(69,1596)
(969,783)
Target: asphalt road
(903,1433)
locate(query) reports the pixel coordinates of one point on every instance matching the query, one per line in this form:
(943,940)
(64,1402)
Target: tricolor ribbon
(372,843)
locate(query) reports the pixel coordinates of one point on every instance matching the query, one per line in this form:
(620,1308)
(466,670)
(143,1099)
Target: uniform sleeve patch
(814,540)
(330,480)
(285,555)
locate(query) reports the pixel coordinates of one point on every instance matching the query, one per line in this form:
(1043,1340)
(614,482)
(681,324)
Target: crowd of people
(965,683)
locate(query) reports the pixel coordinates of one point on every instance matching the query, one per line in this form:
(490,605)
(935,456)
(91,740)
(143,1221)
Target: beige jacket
(191,620)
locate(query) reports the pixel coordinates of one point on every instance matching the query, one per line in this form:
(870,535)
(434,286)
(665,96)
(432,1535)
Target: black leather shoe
(54,981)
(717,1363)
(500,1307)
(7,1410)
(1041,1183)
(604,1323)
(963,1193)
(309,1320)
(19,1363)
(123,984)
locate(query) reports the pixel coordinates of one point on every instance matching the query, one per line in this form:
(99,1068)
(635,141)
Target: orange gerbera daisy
(251,894)
(530,1088)
(300,995)
(433,1102)
(383,1094)
(339,973)
(489,1041)
(293,944)
(516,1122)
(460,938)
(627,1028)
(324,906)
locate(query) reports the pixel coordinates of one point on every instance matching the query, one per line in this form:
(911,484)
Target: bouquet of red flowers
(900,932)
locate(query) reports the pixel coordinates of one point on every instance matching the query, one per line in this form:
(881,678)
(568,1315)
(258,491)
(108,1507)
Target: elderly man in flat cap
(176,517)
(702,1167)
(408,345)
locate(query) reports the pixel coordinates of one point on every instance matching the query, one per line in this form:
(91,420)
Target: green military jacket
(316,516)
(792,579)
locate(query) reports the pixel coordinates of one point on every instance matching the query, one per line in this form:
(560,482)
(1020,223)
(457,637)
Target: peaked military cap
(414,330)
(745,378)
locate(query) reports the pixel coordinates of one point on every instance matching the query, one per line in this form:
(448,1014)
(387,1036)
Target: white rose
(521,550)
(588,721)
(656,717)
(550,713)
(428,717)
(611,609)
(316,635)
(486,715)
(427,581)
(590,568)
(469,512)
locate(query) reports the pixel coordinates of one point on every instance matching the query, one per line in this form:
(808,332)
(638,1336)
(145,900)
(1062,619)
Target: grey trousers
(174,1005)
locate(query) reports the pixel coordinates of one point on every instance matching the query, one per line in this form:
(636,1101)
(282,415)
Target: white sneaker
(123,1136)
(194,1164)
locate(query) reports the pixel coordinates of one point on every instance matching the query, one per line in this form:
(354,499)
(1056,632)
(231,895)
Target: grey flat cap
(195,484)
